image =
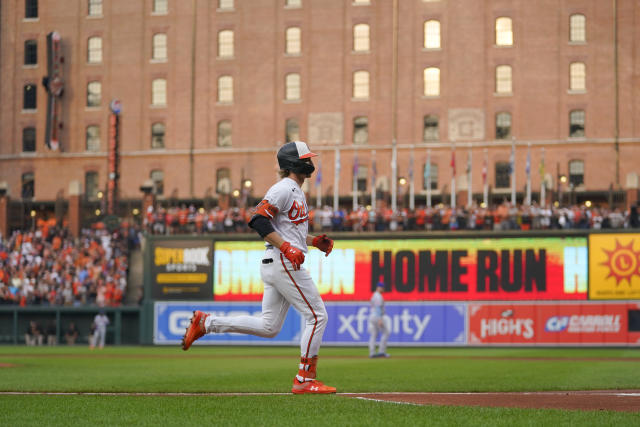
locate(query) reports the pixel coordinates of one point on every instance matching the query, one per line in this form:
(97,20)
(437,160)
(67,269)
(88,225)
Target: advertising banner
(181,269)
(172,318)
(542,268)
(554,324)
(614,266)
(410,324)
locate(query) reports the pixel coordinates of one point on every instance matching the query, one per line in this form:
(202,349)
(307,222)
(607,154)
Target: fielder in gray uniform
(281,219)
(101,321)
(377,325)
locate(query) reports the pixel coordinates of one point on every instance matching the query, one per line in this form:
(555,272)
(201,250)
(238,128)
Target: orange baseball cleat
(195,330)
(311,387)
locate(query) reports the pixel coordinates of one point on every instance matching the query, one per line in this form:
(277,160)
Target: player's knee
(321,318)
(271,330)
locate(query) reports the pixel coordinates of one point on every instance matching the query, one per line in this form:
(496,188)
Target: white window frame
(94,50)
(361,38)
(293,89)
(504,79)
(432,33)
(159,92)
(293,41)
(504,31)
(225,89)
(225,44)
(361,89)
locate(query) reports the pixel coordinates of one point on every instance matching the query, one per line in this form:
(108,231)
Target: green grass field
(271,369)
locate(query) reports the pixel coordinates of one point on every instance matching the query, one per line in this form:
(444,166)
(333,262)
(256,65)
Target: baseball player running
(377,324)
(281,219)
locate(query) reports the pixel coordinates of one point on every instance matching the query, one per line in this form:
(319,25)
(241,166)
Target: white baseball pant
(283,287)
(376,327)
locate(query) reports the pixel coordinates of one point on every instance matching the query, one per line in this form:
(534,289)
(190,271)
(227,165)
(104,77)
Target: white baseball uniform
(377,325)
(289,214)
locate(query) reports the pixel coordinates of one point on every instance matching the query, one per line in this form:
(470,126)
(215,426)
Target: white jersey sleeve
(377,306)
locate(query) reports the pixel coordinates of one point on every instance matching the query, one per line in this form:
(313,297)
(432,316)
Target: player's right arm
(261,222)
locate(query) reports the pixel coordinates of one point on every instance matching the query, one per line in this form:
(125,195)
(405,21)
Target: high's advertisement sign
(614,266)
(555,323)
(181,269)
(540,268)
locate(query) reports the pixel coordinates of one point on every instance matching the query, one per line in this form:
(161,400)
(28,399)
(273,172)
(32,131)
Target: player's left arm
(321,242)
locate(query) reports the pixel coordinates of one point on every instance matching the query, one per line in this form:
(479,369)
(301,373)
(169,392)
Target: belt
(267,260)
(269,246)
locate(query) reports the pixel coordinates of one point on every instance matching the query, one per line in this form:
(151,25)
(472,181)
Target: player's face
(308,160)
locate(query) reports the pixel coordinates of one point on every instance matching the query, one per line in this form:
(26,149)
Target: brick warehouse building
(210,89)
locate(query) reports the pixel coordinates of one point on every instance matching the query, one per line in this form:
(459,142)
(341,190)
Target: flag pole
(373,182)
(528,203)
(512,168)
(428,173)
(543,183)
(453,176)
(355,182)
(485,184)
(336,179)
(412,197)
(394,176)
(469,189)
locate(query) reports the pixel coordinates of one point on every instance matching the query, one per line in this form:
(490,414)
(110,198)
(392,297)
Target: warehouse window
(225,44)
(576,172)
(430,173)
(91,185)
(361,130)
(225,89)
(577,28)
(31,9)
(293,3)
(30,52)
(28,185)
(94,50)
(157,176)
(503,79)
(159,48)
(362,178)
(292,130)
(503,175)
(223,181)
(293,41)
(577,76)
(95,8)
(29,95)
(157,135)
(430,128)
(361,85)
(432,34)
(225,4)
(159,92)
(224,133)
(431,81)
(361,38)
(503,125)
(93,138)
(160,7)
(292,90)
(576,124)
(94,94)
(504,32)
(29,139)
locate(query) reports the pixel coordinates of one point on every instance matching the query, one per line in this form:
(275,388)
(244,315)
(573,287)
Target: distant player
(281,219)
(377,324)
(100,322)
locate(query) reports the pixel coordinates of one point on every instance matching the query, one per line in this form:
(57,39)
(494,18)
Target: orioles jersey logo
(298,213)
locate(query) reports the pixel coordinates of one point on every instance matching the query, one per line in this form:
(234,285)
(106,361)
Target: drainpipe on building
(193,100)
(616,94)
(394,107)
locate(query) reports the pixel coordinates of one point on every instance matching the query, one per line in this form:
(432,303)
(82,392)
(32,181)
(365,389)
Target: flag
(427,171)
(468,163)
(338,161)
(541,169)
(319,173)
(453,161)
(484,170)
(528,166)
(411,168)
(374,173)
(512,159)
(355,165)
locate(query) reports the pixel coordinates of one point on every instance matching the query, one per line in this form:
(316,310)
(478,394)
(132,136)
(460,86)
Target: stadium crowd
(47,266)
(188,219)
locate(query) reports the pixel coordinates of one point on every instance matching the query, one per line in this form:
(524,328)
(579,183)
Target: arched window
(160,7)
(225,44)
(503,125)
(223,181)
(432,34)
(577,76)
(159,92)
(157,176)
(30,52)
(361,130)
(225,89)
(29,139)
(504,31)
(31,9)
(29,97)
(293,45)
(225,4)
(577,28)
(95,8)
(292,90)
(28,185)
(361,38)
(503,79)
(503,175)
(91,185)
(292,130)
(94,94)
(430,174)
(157,135)
(94,50)
(224,133)
(93,138)
(576,124)
(361,85)
(159,48)
(576,172)
(431,81)
(430,129)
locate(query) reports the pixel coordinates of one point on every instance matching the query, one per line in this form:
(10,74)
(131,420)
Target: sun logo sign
(623,262)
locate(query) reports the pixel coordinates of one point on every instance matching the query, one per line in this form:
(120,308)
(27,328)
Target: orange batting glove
(323,243)
(293,254)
